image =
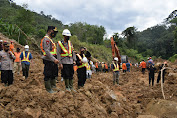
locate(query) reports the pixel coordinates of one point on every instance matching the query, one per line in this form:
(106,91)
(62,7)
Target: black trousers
(159,76)
(67,71)
(81,74)
(151,77)
(25,69)
(50,70)
(7,76)
(143,70)
(124,71)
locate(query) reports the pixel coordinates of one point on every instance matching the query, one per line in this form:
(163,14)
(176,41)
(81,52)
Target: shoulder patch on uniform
(47,42)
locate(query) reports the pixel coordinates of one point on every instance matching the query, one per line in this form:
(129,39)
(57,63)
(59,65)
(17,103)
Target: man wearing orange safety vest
(49,57)
(143,65)
(67,58)
(115,69)
(81,65)
(124,67)
(11,48)
(25,61)
(17,61)
(105,67)
(96,66)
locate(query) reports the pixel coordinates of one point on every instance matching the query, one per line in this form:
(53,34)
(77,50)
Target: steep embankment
(99,98)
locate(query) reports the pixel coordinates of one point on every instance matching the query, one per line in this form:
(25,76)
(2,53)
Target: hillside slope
(99,98)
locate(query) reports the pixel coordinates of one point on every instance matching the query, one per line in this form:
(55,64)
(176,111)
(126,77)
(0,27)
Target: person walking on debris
(115,69)
(96,66)
(49,57)
(6,58)
(11,48)
(17,61)
(163,72)
(124,67)
(25,61)
(81,65)
(1,46)
(67,58)
(128,66)
(99,67)
(105,67)
(151,69)
(143,66)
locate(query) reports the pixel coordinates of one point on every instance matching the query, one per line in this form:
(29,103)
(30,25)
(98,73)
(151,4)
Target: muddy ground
(99,98)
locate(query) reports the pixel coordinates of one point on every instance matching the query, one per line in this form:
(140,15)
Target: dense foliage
(157,41)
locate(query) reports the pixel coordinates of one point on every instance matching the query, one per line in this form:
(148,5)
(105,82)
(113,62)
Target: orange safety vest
(75,68)
(82,64)
(106,66)
(116,68)
(17,55)
(66,53)
(53,51)
(124,67)
(96,65)
(26,58)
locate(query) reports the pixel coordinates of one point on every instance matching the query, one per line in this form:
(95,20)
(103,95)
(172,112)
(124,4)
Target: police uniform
(48,48)
(6,66)
(66,57)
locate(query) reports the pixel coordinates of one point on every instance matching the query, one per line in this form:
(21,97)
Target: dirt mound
(99,98)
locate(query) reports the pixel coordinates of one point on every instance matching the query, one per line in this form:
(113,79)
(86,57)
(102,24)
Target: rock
(34,113)
(113,115)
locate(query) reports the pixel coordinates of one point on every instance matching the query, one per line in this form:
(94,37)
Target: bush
(173,58)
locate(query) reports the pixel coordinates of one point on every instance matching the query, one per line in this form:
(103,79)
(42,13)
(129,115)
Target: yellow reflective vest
(116,67)
(66,53)
(26,58)
(82,64)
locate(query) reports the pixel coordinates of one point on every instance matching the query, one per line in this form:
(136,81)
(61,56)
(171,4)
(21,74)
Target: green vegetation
(159,41)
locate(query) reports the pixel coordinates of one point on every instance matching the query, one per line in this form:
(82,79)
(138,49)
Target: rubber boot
(56,78)
(71,85)
(67,84)
(48,87)
(53,85)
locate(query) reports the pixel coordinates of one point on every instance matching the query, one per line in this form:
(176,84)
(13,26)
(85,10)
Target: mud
(99,98)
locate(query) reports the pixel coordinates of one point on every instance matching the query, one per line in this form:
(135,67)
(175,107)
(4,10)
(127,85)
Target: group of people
(11,62)
(150,66)
(61,55)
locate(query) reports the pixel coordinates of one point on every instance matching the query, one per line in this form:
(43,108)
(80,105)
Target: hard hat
(66,32)
(26,47)
(84,60)
(115,58)
(1,40)
(91,62)
(149,57)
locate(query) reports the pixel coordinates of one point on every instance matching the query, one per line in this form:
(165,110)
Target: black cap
(52,28)
(6,44)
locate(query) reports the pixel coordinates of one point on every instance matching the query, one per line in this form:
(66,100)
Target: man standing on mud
(66,57)
(115,69)
(81,65)
(6,58)
(48,48)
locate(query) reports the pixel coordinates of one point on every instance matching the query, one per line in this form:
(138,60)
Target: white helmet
(26,47)
(84,60)
(66,32)
(115,58)
(1,40)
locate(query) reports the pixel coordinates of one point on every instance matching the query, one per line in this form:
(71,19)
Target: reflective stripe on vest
(66,53)
(88,66)
(26,58)
(116,68)
(53,51)
(82,64)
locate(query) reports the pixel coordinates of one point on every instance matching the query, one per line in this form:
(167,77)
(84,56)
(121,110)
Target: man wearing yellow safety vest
(67,58)
(49,57)
(115,69)
(25,61)
(81,65)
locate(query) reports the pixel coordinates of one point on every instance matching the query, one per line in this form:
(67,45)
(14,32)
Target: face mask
(82,52)
(67,38)
(53,34)
(26,50)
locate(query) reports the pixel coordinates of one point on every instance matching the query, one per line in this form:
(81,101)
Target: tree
(130,34)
